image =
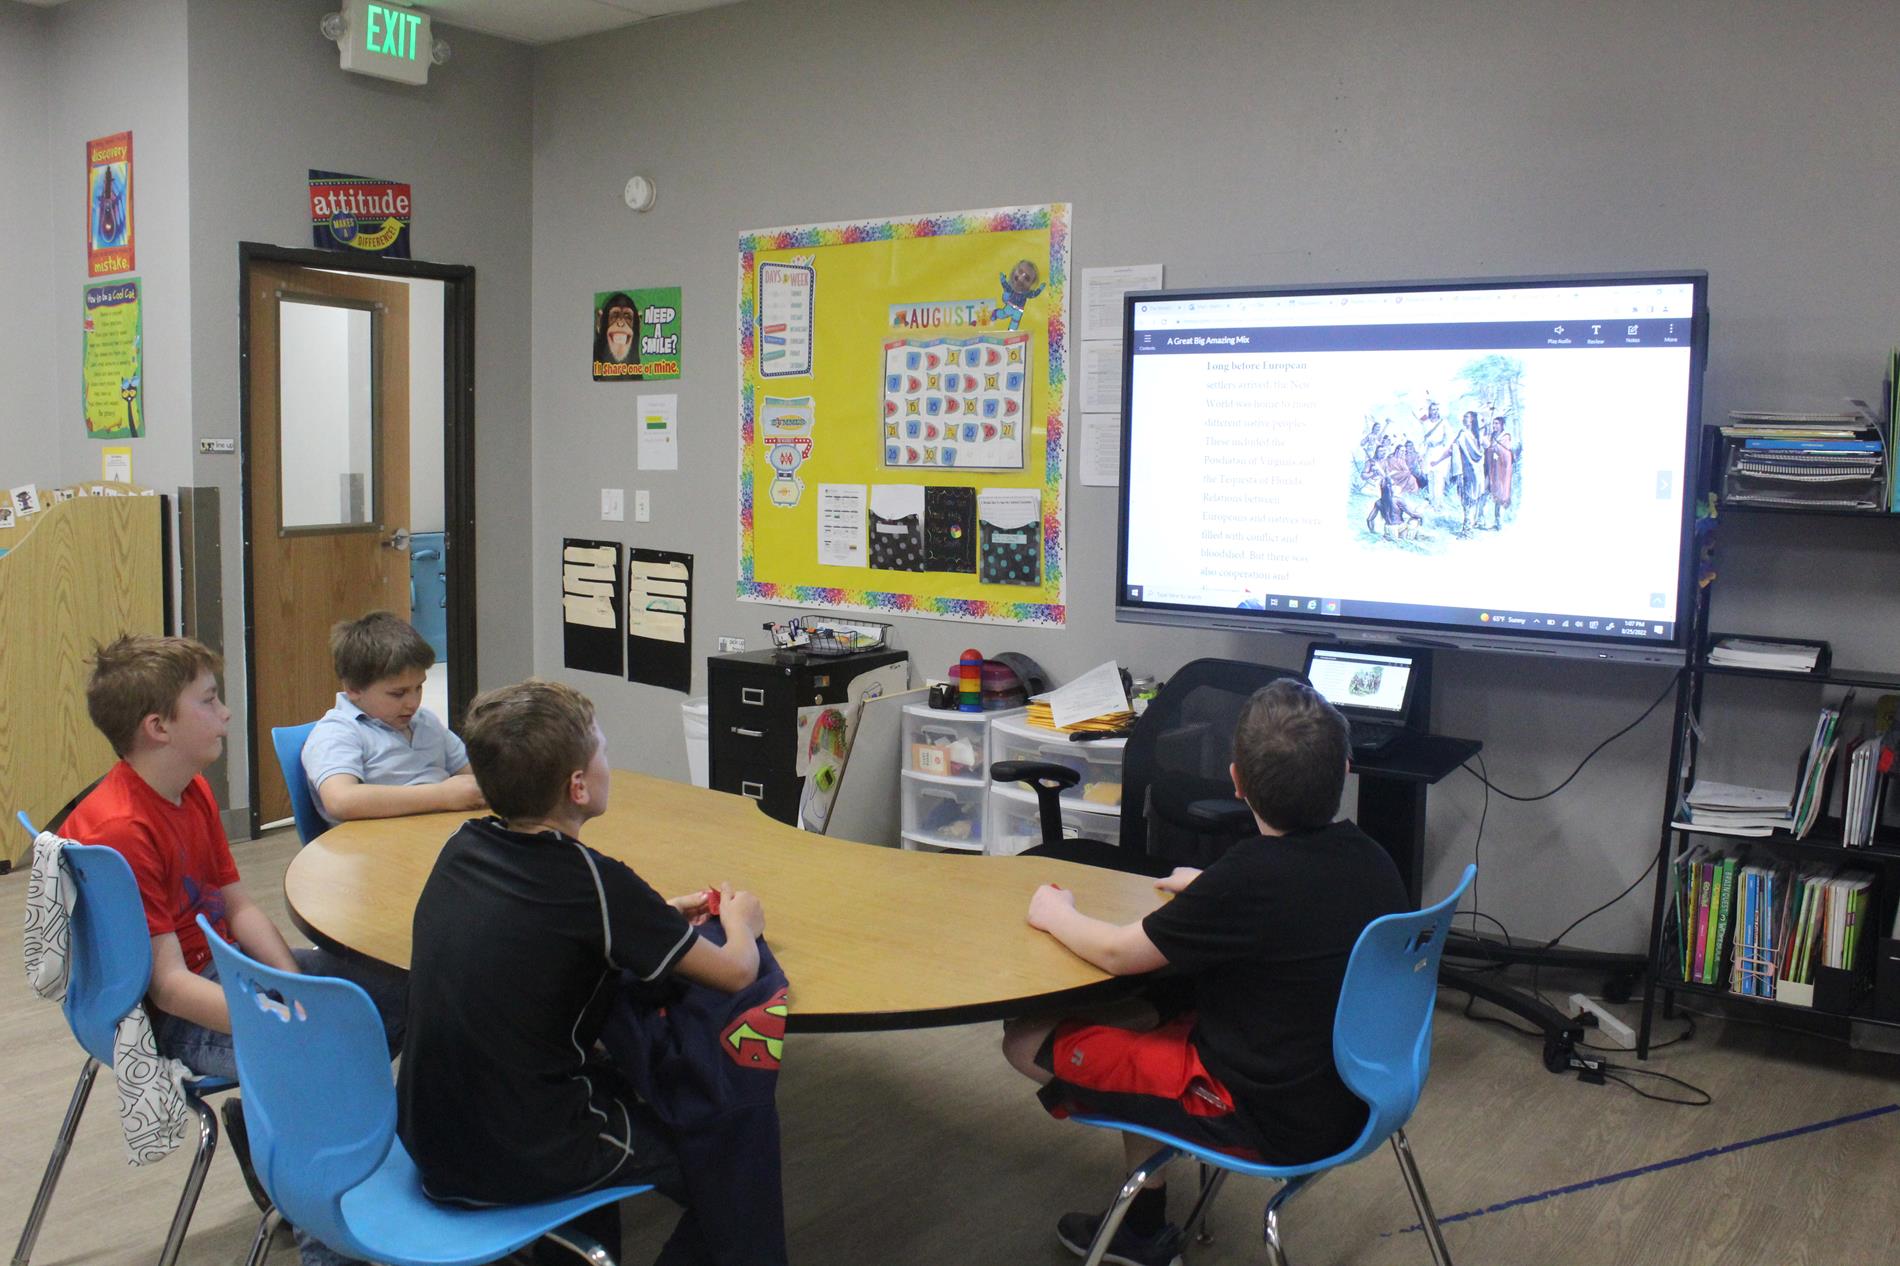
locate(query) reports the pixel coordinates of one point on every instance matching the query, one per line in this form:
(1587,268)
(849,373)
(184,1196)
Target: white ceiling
(543,21)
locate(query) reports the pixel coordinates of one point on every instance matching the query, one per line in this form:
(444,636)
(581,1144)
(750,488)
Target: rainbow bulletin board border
(816,239)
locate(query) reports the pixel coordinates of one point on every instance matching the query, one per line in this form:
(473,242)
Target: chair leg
(194,1181)
(1402,1148)
(585,1247)
(1276,1252)
(56,1162)
(1112,1221)
(1211,1179)
(260,1239)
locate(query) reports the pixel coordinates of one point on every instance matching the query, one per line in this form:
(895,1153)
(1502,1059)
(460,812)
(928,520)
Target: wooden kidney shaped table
(870,938)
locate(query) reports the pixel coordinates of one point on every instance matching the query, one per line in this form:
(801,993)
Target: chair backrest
(289,741)
(1178,754)
(109,954)
(1382,1031)
(319,1104)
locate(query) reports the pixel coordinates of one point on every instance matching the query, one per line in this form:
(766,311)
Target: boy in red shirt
(156,701)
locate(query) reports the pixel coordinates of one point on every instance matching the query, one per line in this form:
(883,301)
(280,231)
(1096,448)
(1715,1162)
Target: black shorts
(1153,1079)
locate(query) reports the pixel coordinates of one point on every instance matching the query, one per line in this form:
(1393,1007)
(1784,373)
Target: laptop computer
(1371,687)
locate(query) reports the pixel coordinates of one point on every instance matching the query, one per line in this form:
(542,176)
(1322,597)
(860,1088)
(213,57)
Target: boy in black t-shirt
(1262,937)
(524,941)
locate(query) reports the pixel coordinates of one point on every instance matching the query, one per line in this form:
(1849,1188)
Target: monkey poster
(637,334)
(109,205)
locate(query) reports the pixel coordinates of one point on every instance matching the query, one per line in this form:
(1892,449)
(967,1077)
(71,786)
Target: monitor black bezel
(1674,650)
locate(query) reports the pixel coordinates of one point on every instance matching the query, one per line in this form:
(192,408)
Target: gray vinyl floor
(922,1147)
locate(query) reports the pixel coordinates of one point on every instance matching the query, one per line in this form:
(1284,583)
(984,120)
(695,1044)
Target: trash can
(696,713)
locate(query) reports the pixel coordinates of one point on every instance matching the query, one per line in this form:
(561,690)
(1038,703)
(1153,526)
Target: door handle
(400,540)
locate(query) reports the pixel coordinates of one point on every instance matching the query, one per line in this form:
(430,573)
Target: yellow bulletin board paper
(924,360)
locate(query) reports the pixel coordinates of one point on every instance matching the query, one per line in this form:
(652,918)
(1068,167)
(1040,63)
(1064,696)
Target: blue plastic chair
(109,968)
(320,1109)
(1382,1046)
(289,741)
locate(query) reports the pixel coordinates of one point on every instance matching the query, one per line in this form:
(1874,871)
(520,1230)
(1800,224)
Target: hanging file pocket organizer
(897,527)
(950,529)
(1010,531)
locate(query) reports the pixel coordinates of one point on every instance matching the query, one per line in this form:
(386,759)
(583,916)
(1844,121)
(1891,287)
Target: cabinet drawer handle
(755,790)
(752,695)
(740,729)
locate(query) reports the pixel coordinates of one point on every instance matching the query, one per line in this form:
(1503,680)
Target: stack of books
(1869,761)
(1809,460)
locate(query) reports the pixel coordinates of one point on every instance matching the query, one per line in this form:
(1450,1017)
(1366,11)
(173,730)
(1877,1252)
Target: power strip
(1614,1031)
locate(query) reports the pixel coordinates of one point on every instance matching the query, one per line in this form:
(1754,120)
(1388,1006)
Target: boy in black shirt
(1262,937)
(524,941)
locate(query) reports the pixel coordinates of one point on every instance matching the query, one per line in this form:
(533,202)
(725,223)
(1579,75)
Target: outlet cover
(642,506)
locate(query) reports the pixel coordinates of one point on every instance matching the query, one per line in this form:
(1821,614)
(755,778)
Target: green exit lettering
(391,32)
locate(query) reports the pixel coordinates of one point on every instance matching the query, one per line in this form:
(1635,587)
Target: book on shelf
(1763,928)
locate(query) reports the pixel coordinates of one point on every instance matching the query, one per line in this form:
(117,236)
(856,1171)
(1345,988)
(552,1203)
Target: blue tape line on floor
(1638,1172)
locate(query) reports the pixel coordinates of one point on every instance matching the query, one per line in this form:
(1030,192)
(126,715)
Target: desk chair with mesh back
(1178,802)
(288,740)
(110,968)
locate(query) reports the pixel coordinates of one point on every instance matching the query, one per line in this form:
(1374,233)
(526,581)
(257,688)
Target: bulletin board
(902,409)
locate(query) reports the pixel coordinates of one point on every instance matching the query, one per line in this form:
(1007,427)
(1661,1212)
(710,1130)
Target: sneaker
(232,1110)
(1163,1248)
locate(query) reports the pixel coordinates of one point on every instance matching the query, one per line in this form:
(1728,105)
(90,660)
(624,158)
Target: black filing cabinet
(753,717)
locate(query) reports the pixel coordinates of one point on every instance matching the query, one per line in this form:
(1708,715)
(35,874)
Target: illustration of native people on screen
(1441,462)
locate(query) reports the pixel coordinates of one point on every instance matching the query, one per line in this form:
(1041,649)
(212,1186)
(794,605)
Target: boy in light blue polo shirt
(379,753)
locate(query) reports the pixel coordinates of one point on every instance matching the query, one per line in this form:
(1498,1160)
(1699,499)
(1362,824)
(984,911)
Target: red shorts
(1153,1078)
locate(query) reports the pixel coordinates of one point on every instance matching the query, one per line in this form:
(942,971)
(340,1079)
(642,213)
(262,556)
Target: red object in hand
(712,902)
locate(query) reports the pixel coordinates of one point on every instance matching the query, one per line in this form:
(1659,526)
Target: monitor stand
(1391,809)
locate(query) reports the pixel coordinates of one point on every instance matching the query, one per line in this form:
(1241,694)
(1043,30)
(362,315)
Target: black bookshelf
(1823,841)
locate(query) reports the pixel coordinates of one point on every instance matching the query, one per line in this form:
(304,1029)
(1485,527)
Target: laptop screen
(1373,685)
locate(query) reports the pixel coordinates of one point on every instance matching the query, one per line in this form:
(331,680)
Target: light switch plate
(613,505)
(642,506)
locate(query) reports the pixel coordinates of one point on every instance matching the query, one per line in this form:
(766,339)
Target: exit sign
(386,40)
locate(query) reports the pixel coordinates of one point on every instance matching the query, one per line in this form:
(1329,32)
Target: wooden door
(328,500)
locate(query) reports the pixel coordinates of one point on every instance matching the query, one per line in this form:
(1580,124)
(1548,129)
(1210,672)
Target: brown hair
(525,741)
(1290,748)
(140,675)
(379,645)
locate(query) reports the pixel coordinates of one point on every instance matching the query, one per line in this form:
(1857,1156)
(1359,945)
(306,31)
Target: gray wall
(145,94)
(1363,139)
(29,203)
(268,103)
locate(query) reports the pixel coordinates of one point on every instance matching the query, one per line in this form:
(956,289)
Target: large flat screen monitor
(1498,464)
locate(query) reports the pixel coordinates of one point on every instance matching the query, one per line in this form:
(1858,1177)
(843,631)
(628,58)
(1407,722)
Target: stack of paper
(1831,460)
(1788,657)
(1735,810)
